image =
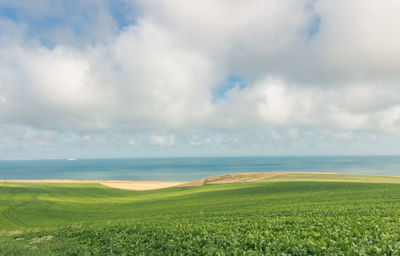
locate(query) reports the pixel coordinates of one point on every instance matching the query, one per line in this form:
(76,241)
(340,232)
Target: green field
(294,214)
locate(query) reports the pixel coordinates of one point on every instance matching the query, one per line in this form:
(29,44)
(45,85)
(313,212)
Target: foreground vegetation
(281,216)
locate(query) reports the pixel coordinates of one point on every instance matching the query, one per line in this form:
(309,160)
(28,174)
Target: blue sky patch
(10,13)
(220,91)
(72,15)
(123,14)
(314,27)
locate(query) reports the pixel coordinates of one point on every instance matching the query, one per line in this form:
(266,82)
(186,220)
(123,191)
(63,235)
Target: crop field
(286,215)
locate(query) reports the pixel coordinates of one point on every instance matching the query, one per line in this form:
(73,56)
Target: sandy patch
(50,181)
(140,185)
(121,184)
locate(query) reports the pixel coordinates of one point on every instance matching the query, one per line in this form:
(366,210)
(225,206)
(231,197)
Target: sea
(188,169)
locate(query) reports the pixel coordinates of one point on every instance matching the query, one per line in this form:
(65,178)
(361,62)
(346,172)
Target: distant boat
(71,159)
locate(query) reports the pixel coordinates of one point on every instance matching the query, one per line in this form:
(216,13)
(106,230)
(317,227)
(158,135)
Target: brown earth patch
(233,178)
(40,239)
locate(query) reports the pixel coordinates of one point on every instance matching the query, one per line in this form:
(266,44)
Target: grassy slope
(336,178)
(285,214)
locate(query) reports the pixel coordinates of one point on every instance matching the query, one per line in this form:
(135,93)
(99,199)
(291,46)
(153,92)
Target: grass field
(292,214)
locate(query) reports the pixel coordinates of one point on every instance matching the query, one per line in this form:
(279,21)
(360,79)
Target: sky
(176,78)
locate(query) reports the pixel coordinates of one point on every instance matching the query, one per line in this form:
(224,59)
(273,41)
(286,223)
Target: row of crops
(285,218)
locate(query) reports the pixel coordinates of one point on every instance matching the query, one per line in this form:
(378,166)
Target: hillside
(283,214)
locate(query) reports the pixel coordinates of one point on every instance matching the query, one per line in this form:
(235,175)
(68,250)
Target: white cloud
(358,40)
(197,141)
(133,142)
(157,140)
(293,133)
(346,136)
(159,75)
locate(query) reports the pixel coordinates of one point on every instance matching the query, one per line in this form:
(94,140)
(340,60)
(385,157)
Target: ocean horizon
(191,168)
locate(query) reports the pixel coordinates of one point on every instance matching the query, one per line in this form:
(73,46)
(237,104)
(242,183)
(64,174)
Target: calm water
(187,169)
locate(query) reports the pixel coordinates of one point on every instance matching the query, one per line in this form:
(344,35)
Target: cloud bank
(141,78)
